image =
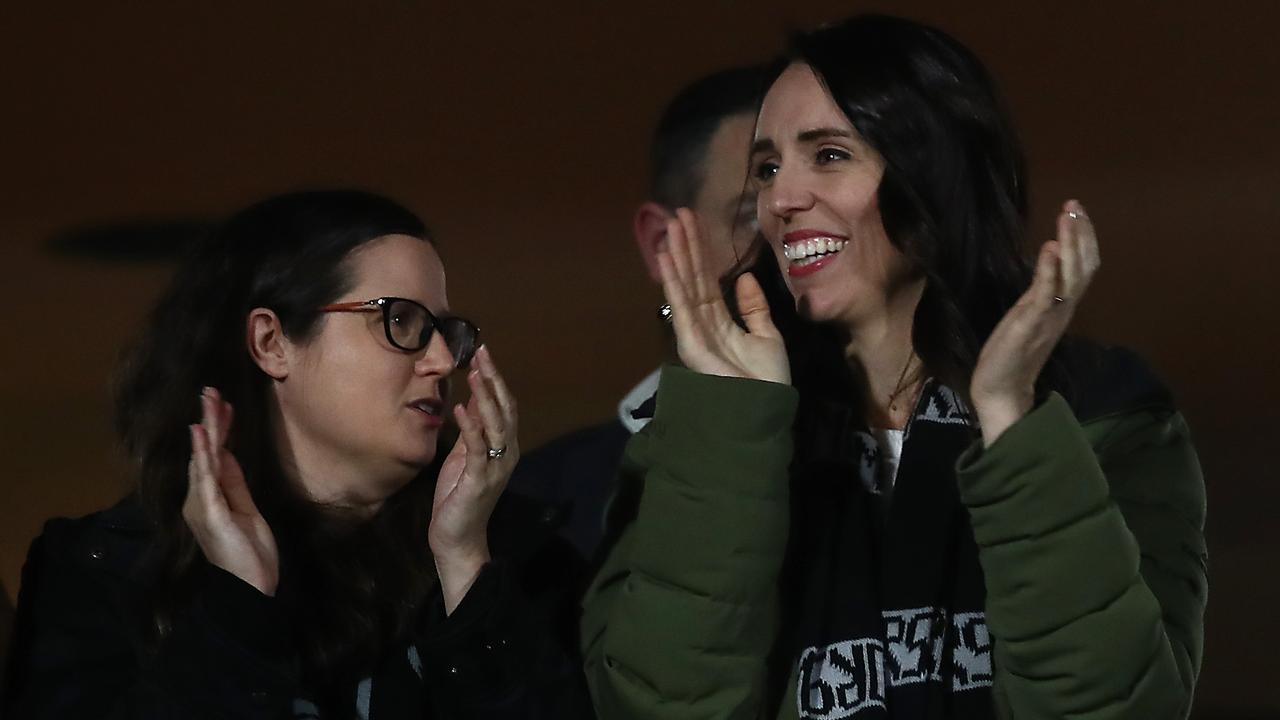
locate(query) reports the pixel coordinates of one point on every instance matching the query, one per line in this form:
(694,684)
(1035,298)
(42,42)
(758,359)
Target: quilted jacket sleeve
(682,616)
(1091,541)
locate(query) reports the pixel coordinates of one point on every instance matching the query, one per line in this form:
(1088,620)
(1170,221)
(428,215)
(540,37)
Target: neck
(329,477)
(880,350)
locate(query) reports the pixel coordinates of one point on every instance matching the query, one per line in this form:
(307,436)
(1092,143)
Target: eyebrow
(806,136)
(820,133)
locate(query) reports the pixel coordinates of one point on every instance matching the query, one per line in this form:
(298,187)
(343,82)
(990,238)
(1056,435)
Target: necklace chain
(901,385)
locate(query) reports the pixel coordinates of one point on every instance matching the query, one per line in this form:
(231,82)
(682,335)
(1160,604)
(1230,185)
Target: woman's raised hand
(1003,384)
(472,479)
(219,509)
(707,338)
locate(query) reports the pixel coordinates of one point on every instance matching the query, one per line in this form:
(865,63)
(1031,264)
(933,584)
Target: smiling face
(818,182)
(360,417)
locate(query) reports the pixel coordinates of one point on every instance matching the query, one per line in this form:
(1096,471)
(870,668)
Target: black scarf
(883,592)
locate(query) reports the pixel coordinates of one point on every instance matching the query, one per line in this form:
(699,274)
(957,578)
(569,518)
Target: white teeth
(804,249)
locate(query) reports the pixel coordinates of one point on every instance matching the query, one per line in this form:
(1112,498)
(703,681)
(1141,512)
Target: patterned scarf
(883,594)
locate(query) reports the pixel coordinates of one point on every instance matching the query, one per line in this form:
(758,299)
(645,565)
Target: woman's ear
(650,230)
(267,344)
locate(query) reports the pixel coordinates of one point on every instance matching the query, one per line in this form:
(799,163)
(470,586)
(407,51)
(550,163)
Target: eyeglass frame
(383,305)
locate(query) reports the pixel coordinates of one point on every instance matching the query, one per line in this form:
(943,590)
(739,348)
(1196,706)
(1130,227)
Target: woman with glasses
(297,546)
(892,489)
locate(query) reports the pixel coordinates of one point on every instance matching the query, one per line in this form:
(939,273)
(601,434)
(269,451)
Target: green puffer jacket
(1090,538)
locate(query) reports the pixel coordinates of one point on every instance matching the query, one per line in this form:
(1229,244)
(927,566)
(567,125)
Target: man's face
(725,205)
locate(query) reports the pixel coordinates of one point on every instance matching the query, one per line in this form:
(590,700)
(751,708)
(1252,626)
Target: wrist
(457,572)
(997,413)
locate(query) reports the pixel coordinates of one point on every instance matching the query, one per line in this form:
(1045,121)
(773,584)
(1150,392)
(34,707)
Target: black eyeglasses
(409,326)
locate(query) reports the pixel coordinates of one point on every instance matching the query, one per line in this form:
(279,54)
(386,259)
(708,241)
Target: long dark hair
(362,581)
(953,197)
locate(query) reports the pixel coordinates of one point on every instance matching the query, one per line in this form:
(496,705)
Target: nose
(435,358)
(787,195)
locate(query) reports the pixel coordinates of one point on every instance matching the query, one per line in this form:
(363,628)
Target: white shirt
(634,399)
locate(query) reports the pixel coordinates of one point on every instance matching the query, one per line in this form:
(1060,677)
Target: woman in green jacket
(904,494)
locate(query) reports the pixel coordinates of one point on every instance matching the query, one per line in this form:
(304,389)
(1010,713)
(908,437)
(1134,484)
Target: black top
(576,475)
(507,651)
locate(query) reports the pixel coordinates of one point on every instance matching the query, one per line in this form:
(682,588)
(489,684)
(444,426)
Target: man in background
(698,160)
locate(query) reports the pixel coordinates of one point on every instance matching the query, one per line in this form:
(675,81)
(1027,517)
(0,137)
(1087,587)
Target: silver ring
(495,453)
(1058,299)
(664,312)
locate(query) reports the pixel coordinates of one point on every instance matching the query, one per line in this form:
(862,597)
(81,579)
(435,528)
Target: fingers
(203,487)
(753,306)
(1045,283)
(1070,268)
(506,400)
(210,456)
(210,422)
(674,291)
(215,417)
(1090,257)
(1079,258)
(697,291)
(472,438)
(704,289)
(482,402)
(678,251)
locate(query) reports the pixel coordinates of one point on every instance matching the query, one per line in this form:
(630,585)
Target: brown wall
(519,131)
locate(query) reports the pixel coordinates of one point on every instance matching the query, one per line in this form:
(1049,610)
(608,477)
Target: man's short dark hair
(684,131)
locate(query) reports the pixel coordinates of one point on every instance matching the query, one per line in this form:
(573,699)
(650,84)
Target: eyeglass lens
(409,327)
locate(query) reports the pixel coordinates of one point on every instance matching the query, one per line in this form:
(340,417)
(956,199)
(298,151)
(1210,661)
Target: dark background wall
(519,131)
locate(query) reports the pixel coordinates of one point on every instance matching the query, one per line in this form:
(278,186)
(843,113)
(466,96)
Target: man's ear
(650,230)
(267,344)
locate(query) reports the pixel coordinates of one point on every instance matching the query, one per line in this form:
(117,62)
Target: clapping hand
(472,479)
(1003,384)
(219,509)
(707,338)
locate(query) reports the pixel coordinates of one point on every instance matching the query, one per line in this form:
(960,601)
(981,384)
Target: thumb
(753,307)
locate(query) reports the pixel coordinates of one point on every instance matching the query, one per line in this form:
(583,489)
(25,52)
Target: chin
(418,451)
(819,307)
(420,459)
